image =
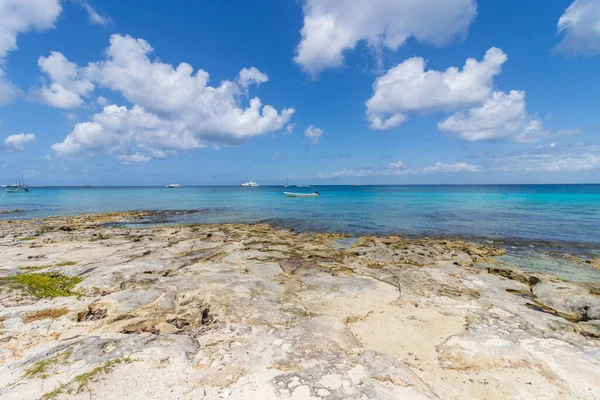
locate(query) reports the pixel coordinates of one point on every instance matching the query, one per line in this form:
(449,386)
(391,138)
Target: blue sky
(350,91)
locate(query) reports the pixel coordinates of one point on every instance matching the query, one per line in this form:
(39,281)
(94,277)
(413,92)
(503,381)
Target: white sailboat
(17,187)
(250,184)
(173,186)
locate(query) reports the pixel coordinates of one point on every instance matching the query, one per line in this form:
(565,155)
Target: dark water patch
(541,308)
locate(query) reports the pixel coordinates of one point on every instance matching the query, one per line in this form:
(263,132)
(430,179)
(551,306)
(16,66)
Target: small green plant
(81,381)
(26,239)
(44,284)
(40,368)
(66,264)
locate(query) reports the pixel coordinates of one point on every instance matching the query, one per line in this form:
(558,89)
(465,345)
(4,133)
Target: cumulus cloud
(501,116)
(580,27)
(16,17)
(334,26)
(18,142)
(399,168)
(174,108)
(409,88)
(250,76)
(68,84)
(313,135)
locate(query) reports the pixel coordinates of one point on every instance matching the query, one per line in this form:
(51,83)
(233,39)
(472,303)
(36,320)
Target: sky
(316,91)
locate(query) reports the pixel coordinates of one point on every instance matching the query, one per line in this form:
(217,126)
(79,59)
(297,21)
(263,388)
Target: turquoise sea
(557,213)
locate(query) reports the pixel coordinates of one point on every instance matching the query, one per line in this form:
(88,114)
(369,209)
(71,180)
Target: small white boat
(291,194)
(173,186)
(250,184)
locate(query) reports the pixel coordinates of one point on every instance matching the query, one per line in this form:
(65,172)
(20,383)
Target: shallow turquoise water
(563,213)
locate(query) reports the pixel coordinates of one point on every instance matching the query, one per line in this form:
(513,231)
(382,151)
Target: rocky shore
(92,309)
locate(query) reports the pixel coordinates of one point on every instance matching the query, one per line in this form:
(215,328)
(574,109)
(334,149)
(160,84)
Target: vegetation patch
(48,313)
(80,382)
(24,239)
(41,369)
(44,285)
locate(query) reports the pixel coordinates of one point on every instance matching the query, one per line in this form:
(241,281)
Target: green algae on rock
(44,285)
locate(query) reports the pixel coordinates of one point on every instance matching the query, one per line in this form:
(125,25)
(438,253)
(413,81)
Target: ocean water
(556,213)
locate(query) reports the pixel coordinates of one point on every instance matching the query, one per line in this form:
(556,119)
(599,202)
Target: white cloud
(250,76)
(95,17)
(101,100)
(398,165)
(573,158)
(133,158)
(443,168)
(18,142)
(21,16)
(173,108)
(580,27)
(501,116)
(399,168)
(313,134)
(68,85)
(8,91)
(16,17)
(409,88)
(334,26)
(117,129)
(278,157)
(289,129)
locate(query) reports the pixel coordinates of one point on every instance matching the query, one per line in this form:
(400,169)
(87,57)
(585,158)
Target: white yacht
(250,184)
(173,186)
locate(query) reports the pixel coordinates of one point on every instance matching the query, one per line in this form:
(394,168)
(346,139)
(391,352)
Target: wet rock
(10,211)
(570,300)
(515,275)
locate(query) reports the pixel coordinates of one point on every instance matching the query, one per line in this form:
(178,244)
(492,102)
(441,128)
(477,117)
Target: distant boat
(85,185)
(17,187)
(291,194)
(173,186)
(287,185)
(250,184)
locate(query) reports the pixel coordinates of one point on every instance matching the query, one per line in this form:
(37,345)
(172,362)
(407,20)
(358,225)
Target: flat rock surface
(251,312)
